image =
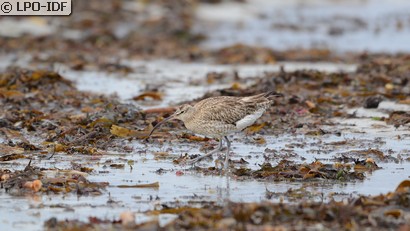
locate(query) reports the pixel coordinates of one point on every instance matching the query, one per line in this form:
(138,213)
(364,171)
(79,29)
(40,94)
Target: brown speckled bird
(217,117)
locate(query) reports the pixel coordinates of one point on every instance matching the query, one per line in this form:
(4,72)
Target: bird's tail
(263,97)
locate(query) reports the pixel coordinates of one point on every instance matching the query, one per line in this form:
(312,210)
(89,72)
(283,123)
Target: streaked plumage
(220,116)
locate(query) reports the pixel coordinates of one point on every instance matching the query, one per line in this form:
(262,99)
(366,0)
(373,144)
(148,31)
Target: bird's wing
(230,110)
(226,109)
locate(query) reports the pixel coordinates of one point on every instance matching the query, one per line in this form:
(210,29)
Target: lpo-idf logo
(35,7)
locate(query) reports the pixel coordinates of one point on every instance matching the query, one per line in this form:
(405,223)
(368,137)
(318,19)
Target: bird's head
(182,113)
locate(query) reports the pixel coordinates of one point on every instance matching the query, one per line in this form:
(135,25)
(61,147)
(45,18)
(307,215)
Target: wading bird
(217,117)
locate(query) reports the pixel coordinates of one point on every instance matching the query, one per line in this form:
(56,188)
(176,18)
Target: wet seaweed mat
(290,171)
(58,118)
(33,180)
(383,212)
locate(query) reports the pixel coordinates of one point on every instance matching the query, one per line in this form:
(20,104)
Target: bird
(217,117)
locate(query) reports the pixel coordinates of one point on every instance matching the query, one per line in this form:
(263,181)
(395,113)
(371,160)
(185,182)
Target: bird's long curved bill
(159,124)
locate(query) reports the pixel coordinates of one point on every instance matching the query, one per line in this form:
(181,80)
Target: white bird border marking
(249,119)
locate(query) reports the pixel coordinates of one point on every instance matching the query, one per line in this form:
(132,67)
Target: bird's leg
(228,144)
(193,161)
